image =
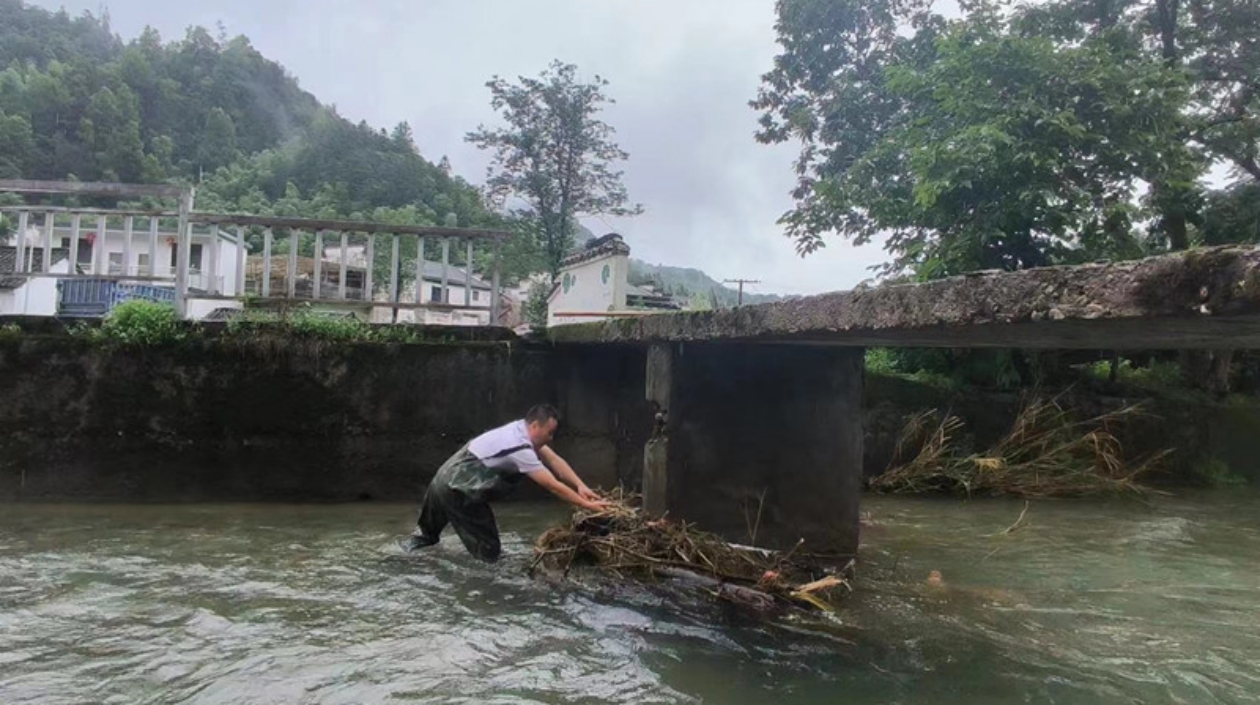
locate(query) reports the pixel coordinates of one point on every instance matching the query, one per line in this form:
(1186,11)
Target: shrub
(142,323)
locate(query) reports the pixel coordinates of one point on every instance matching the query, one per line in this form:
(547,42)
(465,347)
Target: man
(485,469)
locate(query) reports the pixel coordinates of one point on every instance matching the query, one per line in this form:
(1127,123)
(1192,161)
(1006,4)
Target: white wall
(480,317)
(37,297)
(590,290)
(115,244)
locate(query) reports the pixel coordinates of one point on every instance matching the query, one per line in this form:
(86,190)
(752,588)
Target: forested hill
(76,101)
(79,102)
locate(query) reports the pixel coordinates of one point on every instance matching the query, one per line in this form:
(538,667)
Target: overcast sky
(682,73)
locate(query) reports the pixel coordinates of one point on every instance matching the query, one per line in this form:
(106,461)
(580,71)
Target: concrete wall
(767,438)
(280,421)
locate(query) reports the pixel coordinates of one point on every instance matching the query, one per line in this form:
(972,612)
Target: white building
(149,257)
(467,295)
(594,286)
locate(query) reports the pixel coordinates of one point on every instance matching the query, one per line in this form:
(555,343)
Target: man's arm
(565,472)
(563,491)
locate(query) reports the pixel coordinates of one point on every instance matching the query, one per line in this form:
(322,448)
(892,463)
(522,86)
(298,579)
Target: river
(1087,602)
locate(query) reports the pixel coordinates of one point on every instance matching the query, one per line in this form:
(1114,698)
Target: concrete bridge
(768,399)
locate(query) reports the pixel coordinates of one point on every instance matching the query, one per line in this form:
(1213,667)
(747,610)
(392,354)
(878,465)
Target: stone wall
(248,420)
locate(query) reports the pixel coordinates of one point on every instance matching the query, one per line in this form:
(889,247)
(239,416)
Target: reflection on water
(1088,603)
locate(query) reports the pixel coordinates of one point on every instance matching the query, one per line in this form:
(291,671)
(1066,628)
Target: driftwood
(623,541)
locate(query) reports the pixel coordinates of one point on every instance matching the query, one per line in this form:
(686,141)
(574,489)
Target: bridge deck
(1206,298)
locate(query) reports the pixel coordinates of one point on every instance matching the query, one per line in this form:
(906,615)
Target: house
(460,287)
(25,296)
(105,252)
(594,286)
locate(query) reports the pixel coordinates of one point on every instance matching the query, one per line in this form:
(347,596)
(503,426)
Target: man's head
(541,422)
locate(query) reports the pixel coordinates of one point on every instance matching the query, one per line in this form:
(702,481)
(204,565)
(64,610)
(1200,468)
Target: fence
(205,256)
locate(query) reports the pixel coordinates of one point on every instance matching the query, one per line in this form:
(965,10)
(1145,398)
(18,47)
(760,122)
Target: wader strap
(508,451)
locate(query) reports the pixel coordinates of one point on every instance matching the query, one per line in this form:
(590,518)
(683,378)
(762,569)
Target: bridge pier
(757,439)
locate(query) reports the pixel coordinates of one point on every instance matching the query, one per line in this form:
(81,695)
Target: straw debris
(1047,453)
(624,541)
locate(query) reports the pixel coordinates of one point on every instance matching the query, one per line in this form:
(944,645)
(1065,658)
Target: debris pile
(1047,453)
(624,541)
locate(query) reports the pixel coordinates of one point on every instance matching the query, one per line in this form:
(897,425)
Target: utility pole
(741,283)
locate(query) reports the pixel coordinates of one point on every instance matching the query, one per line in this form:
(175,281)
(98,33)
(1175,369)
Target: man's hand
(597,505)
(589,495)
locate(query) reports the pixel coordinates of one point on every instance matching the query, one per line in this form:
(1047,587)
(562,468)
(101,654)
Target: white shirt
(492,447)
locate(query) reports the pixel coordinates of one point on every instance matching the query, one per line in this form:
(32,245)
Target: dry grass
(1047,453)
(624,541)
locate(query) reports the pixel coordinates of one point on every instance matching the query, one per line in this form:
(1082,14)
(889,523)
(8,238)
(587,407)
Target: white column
(266,264)
(212,262)
(129,224)
(240,261)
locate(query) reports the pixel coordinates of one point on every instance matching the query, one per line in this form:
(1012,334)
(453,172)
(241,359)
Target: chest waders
(459,495)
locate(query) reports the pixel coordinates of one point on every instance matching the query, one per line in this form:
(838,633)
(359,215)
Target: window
(435,295)
(144,264)
(116,263)
(476,295)
(84,257)
(195,259)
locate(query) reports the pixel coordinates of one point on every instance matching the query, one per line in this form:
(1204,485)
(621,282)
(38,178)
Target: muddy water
(1087,603)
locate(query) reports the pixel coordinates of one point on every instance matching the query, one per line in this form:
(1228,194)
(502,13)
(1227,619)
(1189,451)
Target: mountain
(77,102)
(691,284)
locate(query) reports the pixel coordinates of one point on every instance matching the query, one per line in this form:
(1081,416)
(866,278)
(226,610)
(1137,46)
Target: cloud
(682,74)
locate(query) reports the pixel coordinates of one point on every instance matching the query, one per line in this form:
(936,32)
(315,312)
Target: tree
(16,145)
(555,154)
(969,144)
(111,130)
(218,141)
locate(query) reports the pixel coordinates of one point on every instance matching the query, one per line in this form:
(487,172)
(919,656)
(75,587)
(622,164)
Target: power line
(741,283)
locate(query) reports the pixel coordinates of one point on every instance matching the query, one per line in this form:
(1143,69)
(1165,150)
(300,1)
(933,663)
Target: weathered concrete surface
(282,420)
(766,439)
(1198,299)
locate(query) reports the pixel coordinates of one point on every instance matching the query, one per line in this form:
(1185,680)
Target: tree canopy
(555,154)
(1013,136)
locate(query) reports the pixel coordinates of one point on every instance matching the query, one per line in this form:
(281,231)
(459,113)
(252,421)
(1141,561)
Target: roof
(606,246)
(649,299)
(8,263)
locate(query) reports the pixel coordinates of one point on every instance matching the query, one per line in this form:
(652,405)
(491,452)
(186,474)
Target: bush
(1156,376)
(1213,472)
(142,323)
(10,331)
(330,328)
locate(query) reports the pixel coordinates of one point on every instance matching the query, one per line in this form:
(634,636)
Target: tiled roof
(35,257)
(610,244)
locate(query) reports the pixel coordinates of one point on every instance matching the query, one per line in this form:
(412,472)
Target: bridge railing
(206,256)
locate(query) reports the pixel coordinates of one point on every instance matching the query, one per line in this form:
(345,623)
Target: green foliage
(1014,136)
(10,331)
(142,324)
(1155,377)
(1214,472)
(536,306)
(307,324)
(1232,216)
(146,110)
(555,154)
(952,369)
